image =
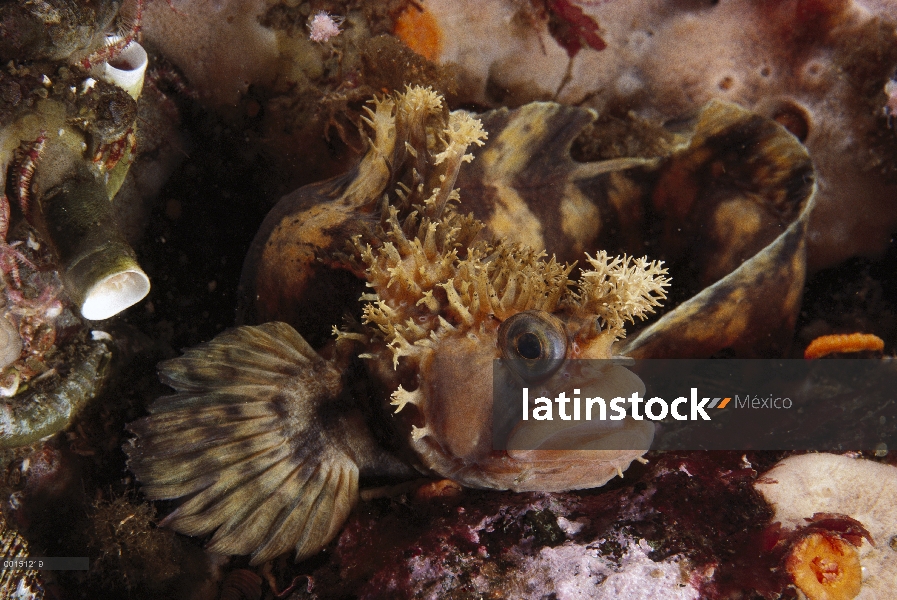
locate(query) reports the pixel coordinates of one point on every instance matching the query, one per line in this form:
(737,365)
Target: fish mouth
(578,426)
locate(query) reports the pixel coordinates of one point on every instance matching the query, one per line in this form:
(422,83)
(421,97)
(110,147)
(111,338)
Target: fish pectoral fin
(254,441)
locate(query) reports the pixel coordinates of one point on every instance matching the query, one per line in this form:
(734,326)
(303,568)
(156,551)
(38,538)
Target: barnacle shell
(128,70)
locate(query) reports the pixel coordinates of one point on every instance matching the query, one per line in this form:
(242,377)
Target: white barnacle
(127,71)
(112,292)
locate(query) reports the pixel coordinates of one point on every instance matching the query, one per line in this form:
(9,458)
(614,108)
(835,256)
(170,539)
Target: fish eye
(534,343)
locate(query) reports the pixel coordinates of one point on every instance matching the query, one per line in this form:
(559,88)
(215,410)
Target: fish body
(274,427)
(265,436)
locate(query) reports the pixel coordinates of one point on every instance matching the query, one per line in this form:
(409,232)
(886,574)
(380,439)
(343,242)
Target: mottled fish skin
(727,316)
(525,185)
(731,185)
(730,188)
(299,241)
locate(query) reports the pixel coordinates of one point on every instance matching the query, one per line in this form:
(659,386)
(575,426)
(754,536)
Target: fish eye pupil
(529,346)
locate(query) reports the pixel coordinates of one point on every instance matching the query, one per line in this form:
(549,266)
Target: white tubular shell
(114,293)
(126,70)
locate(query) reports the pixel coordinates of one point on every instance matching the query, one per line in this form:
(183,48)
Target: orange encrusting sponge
(850,342)
(420,32)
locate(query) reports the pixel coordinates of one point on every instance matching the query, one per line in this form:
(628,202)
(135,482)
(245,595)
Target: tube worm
(96,263)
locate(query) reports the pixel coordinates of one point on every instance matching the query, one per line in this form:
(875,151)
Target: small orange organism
(420,31)
(838,343)
(826,567)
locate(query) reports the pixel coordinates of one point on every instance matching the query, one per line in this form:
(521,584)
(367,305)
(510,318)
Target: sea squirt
(266,438)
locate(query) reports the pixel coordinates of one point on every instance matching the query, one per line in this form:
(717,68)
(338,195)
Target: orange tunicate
(420,32)
(825,567)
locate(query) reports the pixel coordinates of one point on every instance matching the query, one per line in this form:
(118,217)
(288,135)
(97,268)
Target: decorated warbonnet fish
(266,439)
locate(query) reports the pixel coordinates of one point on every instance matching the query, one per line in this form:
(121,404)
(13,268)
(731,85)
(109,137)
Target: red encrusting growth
(572,28)
(841,525)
